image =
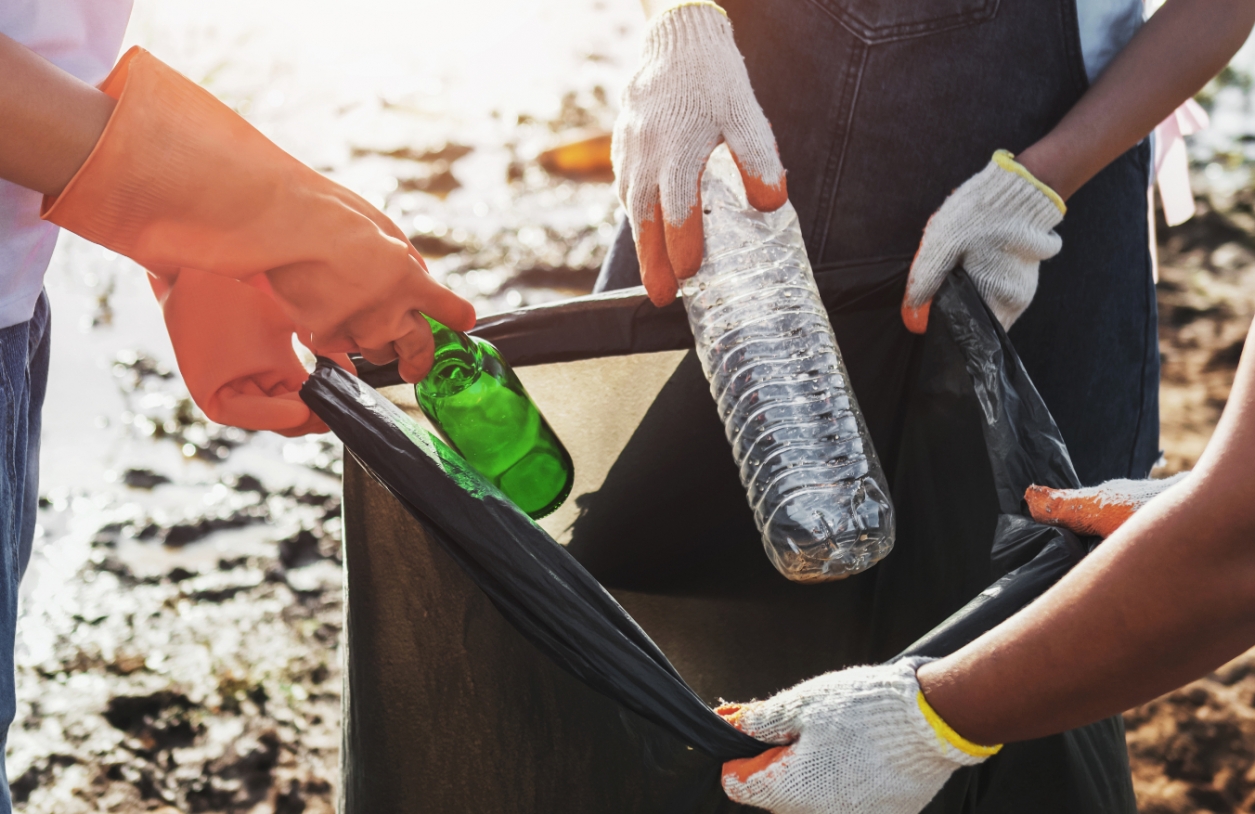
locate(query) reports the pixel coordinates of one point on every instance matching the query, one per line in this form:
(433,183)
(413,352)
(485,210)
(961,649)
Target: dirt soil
(180,651)
(1193,750)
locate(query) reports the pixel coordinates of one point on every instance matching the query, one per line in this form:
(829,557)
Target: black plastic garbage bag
(492,669)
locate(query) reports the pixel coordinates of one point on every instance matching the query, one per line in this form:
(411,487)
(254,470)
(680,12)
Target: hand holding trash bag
(690,93)
(234,348)
(856,741)
(999,225)
(1165,599)
(178,180)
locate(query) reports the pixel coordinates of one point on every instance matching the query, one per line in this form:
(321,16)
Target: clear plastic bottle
(812,477)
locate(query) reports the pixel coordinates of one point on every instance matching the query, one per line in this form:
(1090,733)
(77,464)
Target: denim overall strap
(24,352)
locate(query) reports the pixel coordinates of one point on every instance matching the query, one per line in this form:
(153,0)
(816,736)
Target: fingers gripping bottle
(811,475)
(475,399)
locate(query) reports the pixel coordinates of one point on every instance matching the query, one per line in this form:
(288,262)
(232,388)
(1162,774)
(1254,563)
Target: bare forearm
(1177,51)
(1163,601)
(1167,598)
(1137,620)
(51,120)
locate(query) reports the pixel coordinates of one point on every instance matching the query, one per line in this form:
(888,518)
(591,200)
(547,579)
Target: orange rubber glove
(234,348)
(178,181)
(1098,510)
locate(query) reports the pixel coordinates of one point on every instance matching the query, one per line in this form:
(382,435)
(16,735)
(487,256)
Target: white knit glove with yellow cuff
(690,93)
(859,741)
(999,225)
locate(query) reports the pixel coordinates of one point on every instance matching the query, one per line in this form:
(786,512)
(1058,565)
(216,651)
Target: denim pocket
(876,21)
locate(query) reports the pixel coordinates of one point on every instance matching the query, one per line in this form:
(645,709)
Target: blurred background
(179,643)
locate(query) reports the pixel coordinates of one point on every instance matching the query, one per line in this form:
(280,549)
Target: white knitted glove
(999,225)
(862,741)
(690,92)
(1097,510)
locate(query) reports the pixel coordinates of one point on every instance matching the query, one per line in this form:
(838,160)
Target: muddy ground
(179,651)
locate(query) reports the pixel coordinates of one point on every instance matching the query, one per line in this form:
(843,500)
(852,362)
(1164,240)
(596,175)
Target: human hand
(178,180)
(1097,510)
(690,93)
(999,225)
(234,349)
(339,305)
(857,741)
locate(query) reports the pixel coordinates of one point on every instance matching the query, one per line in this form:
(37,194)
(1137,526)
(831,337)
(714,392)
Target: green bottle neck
(458,362)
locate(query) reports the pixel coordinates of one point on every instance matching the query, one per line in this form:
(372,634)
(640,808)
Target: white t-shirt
(82,37)
(1106,27)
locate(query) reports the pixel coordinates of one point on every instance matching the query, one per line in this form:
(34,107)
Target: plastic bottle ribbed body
(811,475)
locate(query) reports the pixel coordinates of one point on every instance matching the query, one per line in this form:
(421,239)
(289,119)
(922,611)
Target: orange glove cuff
(171,155)
(178,180)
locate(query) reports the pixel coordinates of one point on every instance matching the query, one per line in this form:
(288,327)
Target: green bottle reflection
(474,398)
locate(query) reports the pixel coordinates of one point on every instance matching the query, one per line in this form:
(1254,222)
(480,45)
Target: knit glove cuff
(859,741)
(999,225)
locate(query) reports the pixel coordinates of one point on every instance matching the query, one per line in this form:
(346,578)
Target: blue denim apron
(880,109)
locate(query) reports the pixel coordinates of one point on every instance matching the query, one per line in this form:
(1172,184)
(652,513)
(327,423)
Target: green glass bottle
(478,403)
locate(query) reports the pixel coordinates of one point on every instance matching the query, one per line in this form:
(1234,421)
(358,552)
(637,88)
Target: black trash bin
(487,669)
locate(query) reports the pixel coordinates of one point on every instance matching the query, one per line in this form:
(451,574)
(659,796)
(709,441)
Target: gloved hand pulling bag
(859,741)
(999,225)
